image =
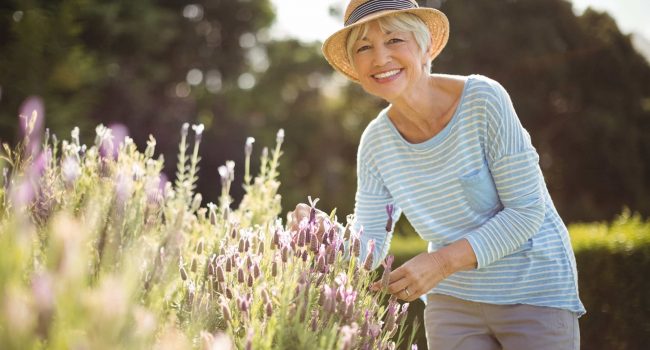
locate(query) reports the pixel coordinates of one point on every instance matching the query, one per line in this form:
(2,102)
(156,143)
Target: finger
(398,286)
(375,286)
(397,274)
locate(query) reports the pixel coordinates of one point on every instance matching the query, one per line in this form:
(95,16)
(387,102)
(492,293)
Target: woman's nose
(381,56)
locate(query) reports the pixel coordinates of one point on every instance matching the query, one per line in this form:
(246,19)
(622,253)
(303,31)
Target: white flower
(198,129)
(280,136)
(70,170)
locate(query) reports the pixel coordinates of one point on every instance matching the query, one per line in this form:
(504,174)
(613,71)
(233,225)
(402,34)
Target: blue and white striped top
(477,179)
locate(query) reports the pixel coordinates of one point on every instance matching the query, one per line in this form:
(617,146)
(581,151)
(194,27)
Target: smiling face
(389,63)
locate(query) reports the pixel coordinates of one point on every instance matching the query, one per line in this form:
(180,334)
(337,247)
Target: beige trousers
(453,323)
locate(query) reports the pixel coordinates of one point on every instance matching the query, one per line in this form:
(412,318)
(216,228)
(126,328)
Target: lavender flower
(198,131)
(229,264)
(385,278)
(314,321)
(248,149)
(223,173)
(269,309)
(348,336)
(312,212)
(368,262)
(274,268)
(184,129)
(196,202)
(257,272)
(32,115)
(221,276)
(225,312)
(389,223)
(285,253)
(70,171)
(391,314)
(313,243)
(212,210)
(279,138)
(265,295)
(276,238)
(402,313)
(240,275)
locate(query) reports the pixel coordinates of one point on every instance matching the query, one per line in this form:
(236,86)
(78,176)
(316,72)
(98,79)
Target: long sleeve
(371,200)
(513,163)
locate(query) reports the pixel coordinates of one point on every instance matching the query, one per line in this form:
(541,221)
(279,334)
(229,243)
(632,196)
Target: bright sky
(313,22)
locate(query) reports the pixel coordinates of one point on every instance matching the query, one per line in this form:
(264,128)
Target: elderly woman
(450,153)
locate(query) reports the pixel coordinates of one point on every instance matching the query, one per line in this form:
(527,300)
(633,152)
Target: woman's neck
(426,111)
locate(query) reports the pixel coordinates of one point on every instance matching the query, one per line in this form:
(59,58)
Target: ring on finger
(406,290)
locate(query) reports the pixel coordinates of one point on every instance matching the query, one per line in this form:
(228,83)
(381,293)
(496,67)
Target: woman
(450,153)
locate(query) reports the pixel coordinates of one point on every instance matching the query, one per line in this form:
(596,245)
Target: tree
(150,65)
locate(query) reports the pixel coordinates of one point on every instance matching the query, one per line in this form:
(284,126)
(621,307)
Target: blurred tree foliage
(578,85)
(580,89)
(150,65)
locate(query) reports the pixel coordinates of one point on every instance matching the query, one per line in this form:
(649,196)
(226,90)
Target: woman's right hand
(302,212)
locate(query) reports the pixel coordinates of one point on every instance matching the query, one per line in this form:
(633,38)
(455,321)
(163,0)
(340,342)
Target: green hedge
(614,277)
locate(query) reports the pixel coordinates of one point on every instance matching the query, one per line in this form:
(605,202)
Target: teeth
(386,74)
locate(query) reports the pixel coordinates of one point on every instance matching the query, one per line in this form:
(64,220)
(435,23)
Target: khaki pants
(453,323)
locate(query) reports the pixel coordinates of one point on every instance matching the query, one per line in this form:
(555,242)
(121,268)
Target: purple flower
(240,275)
(32,115)
(314,321)
(391,315)
(70,171)
(387,263)
(312,212)
(356,246)
(348,336)
(225,312)
(368,262)
(221,275)
(274,268)
(269,309)
(389,222)
(117,133)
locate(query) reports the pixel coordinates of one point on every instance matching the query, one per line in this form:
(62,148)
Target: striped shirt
(477,179)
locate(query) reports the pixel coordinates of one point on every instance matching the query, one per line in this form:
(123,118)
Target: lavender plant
(98,250)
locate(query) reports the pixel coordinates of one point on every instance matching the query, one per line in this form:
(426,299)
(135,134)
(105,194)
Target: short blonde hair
(400,22)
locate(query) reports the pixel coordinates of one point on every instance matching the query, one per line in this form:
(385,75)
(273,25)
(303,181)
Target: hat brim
(335,51)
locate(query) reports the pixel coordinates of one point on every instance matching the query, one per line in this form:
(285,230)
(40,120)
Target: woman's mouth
(386,76)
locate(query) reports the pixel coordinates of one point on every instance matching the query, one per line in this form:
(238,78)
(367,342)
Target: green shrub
(613,269)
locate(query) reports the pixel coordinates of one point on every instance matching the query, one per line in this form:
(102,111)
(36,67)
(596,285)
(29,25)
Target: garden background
(146,67)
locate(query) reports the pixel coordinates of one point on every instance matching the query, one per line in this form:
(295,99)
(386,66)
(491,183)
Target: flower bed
(99,251)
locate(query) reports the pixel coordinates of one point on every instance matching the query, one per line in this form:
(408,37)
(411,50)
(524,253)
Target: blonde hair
(399,22)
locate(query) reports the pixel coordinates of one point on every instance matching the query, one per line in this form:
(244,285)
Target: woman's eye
(395,40)
(363,48)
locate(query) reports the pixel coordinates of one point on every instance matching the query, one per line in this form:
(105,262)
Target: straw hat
(363,11)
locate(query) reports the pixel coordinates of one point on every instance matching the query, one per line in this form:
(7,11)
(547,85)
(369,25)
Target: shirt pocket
(480,191)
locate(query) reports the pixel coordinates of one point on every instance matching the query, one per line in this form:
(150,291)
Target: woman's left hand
(415,277)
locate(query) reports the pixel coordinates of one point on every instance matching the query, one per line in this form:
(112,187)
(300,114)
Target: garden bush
(99,251)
